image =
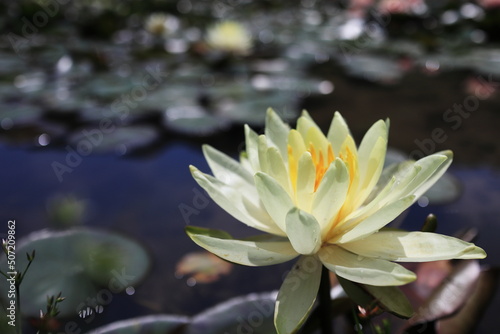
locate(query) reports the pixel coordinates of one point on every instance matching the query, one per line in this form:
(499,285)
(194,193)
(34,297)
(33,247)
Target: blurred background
(104,104)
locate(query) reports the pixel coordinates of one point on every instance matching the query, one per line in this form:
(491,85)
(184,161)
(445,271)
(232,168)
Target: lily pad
(18,115)
(451,294)
(113,139)
(87,266)
(253,313)
(156,324)
(373,68)
(193,120)
(468,317)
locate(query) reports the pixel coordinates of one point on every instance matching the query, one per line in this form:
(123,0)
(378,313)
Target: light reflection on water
(141,198)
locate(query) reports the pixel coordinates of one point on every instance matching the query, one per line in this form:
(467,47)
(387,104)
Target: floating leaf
(204,267)
(252,313)
(78,263)
(193,120)
(113,139)
(469,315)
(451,294)
(373,68)
(18,115)
(156,324)
(66,211)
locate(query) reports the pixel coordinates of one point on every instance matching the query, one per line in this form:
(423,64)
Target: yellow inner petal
(321,160)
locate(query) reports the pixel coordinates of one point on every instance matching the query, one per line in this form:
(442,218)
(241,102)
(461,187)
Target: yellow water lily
(327,200)
(229,36)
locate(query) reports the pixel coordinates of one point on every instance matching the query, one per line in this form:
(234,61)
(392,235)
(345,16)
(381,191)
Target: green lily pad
(18,115)
(87,266)
(109,86)
(156,324)
(373,68)
(113,139)
(252,313)
(193,120)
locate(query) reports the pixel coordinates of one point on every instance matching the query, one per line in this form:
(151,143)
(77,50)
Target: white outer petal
(236,203)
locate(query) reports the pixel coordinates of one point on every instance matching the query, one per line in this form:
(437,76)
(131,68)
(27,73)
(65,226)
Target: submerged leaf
(204,267)
(78,263)
(156,324)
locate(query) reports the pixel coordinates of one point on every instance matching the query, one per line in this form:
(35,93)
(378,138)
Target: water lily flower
(325,200)
(229,36)
(161,24)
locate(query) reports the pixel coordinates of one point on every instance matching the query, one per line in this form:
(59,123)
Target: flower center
(321,161)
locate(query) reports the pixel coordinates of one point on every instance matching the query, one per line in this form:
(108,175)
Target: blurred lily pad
(373,68)
(193,120)
(253,313)
(114,139)
(18,115)
(156,324)
(80,263)
(451,294)
(469,315)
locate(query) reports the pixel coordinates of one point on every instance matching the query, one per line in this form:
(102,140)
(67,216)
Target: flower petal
(225,168)
(262,153)
(371,157)
(430,169)
(441,169)
(306,177)
(276,168)
(235,202)
(245,252)
(297,294)
(414,247)
(252,147)
(338,132)
(303,231)
(276,132)
(374,222)
(276,200)
(331,194)
(364,270)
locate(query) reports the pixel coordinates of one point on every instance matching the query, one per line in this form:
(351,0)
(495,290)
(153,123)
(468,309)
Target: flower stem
(325,303)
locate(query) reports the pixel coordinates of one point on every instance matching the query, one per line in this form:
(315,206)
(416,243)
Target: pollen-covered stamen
(320,159)
(320,162)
